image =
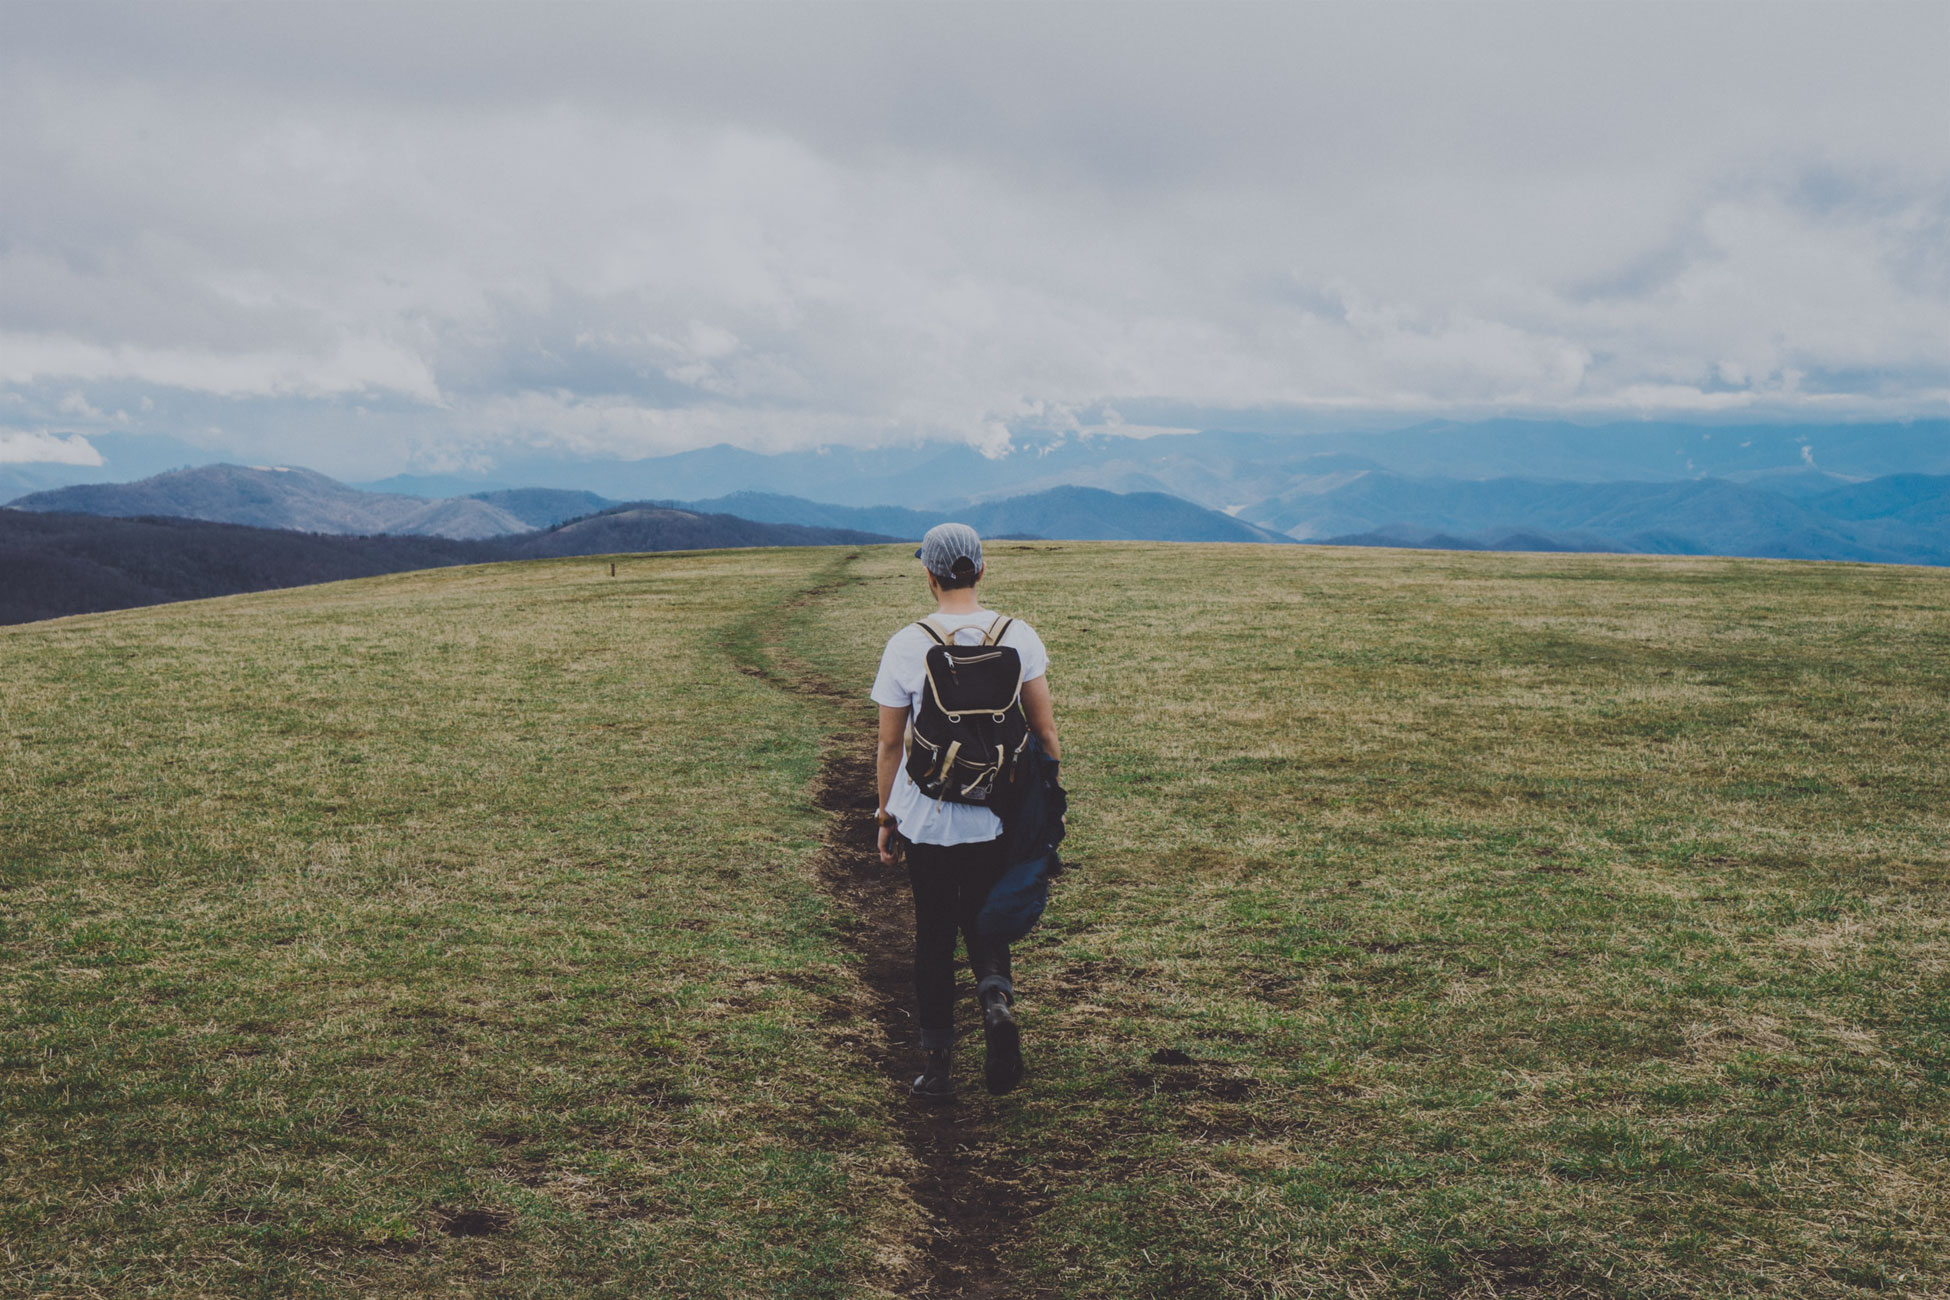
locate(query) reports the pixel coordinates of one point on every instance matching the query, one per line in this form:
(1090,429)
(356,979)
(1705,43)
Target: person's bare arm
(887,762)
(1036,707)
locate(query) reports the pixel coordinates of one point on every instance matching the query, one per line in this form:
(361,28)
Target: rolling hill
(108,458)
(546,507)
(266,497)
(1072,513)
(628,528)
(1918,500)
(53,564)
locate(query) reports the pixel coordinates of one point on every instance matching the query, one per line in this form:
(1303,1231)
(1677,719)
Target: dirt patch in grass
(1512,1267)
(476,1223)
(972,1198)
(972,1194)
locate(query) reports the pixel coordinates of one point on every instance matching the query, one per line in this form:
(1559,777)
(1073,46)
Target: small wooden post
(612,568)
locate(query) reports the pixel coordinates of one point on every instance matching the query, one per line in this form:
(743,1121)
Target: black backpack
(968,737)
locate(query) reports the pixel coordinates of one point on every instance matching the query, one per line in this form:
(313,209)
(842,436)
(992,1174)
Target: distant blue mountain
(435,486)
(299,500)
(1218,469)
(546,507)
(773,508)
(1920,500)
(1227,470)
(1073,513)
(1652,450)
(304,500)
(1522,540)
(1091,514)
(1822,491)
(1900,519)
(125,458)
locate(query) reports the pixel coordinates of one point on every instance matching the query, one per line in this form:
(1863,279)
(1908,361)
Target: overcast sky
(373,238)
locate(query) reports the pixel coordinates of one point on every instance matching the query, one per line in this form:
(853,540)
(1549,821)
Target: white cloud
(620,231)
(38,447)
(355,366)
(77,405)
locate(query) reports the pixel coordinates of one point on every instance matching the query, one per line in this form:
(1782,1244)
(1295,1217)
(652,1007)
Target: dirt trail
(970,1192)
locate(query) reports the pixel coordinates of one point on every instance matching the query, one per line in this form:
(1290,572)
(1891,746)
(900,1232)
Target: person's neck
(959,601)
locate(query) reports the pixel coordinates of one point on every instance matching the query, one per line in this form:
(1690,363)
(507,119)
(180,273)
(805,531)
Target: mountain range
(300,499)
(1226,470)
(1217,468)
(1842,492)
(265,496)
(636,527)
(1899,518)
(1902,518)
(1072,513)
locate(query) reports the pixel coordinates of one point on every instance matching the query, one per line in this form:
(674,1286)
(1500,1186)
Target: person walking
(948,836)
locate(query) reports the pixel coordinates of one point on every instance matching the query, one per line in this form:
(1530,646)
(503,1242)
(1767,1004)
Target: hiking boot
(936,1082)
(1002,1065)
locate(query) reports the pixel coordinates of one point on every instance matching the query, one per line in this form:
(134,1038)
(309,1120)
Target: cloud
(353,366)
(36,447)
(77,405)
(618,231)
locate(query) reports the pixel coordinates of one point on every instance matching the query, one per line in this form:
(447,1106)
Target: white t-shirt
(903,676)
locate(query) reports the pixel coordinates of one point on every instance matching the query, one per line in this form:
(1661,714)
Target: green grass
(1563,924)
(1443,925)
(340,921)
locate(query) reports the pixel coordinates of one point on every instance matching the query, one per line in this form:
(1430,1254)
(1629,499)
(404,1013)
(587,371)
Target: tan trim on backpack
(942,634)
(945,635)
(1015,700)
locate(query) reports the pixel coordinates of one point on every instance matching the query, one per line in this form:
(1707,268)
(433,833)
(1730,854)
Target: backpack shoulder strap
(942,634)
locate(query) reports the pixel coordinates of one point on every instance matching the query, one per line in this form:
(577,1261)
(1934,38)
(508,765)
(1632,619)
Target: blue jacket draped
(1032,827)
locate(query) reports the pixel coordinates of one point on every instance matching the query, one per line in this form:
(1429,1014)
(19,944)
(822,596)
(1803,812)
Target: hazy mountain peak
(285,497)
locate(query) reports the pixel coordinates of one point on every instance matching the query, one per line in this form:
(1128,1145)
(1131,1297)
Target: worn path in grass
(972,1194)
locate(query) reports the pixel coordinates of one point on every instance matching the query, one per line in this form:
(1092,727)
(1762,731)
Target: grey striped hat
(950,551)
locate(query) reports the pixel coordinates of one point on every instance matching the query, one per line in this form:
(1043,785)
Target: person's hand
(887,846)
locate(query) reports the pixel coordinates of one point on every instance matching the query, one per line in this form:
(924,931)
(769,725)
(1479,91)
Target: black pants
(951,882)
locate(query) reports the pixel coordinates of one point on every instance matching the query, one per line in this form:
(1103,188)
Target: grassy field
(447,933)
(1442,925)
